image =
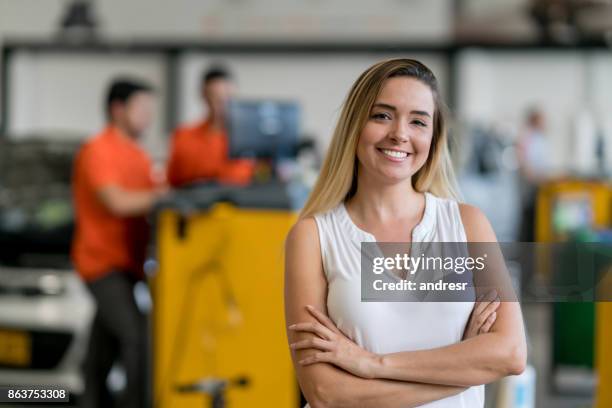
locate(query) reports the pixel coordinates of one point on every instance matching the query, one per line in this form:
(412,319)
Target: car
(44,327)
(45,309)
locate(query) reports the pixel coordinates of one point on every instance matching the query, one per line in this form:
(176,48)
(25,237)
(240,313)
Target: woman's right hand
(483,315)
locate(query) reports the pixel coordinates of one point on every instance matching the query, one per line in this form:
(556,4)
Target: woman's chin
(391,178)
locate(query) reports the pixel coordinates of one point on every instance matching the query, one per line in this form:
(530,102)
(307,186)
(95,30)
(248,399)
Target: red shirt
(200,153)
(103,241)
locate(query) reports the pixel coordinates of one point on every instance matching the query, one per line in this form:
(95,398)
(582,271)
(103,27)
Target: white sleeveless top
(388,327)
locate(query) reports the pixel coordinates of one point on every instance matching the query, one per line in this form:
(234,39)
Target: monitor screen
(263,128)
(572,211)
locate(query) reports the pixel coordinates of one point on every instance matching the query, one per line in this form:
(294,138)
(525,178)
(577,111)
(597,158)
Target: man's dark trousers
(118,332)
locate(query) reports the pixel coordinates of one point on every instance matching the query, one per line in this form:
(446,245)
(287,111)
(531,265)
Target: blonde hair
(337,179)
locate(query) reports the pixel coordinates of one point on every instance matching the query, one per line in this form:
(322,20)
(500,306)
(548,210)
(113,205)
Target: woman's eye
(380,116)
(419,123)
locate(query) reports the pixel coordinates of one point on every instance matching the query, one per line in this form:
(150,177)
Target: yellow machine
(218,306)
(598,196)
(604,354)
(595,194)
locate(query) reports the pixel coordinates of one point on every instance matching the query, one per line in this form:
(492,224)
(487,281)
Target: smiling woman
(387,177)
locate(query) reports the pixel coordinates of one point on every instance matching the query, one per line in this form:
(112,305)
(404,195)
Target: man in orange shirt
(113,189)
(200,152)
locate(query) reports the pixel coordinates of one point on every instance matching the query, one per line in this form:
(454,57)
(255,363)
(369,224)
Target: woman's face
(395,141)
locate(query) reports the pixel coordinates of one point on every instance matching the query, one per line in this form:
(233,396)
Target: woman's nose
(400,133)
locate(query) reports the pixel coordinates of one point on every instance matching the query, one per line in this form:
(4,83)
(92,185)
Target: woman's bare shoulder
(303,237)
(476,224)
(304,228)
(303,259)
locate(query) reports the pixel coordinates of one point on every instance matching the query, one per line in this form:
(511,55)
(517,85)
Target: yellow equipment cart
(219,336)
(597,195)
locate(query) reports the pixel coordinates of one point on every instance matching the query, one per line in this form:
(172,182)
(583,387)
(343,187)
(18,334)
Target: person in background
(200,152)
(113,189)
(534,168)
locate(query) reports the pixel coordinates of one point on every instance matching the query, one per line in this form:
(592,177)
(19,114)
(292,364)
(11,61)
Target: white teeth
(393,153)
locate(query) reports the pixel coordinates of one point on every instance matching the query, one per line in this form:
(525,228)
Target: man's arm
(126,203)
(323,384)
(97,166)
(237,171)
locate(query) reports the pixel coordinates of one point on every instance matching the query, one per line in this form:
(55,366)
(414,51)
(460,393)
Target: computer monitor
(263,128)
(572,211)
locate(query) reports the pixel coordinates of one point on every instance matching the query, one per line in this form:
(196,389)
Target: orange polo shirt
(200,153)
(104,242)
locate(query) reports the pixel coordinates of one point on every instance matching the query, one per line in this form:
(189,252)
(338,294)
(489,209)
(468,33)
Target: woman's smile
(397,156)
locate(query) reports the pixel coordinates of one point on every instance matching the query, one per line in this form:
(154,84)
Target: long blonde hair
(337,179)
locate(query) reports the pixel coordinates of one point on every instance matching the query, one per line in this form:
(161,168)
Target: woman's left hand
(333,346)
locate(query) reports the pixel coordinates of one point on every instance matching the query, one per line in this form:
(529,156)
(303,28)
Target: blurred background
(529,86)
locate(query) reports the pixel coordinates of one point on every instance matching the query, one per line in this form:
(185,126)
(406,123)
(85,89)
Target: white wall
(64,93)
(493,7)
(499,87)
(600,96)
(29,17)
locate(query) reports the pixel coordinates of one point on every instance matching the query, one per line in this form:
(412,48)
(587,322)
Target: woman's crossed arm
(477,360)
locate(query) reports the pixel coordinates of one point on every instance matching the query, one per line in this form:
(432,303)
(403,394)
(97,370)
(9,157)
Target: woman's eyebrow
(421,113)
(393,108)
